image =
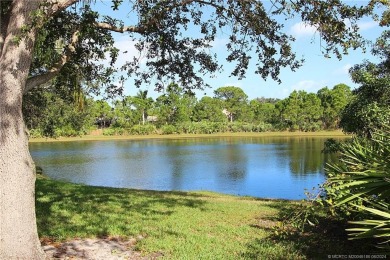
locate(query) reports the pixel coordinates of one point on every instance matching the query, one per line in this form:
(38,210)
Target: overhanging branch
(40,79)
(123,29)
(58,5)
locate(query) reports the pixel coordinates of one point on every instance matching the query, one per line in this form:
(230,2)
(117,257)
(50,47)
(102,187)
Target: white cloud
(302,29)
(363,26)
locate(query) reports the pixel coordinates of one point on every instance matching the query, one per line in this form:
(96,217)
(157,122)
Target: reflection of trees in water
(234,162)
(178,167)
(305,155)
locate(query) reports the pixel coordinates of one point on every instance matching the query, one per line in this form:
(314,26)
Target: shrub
(35,133)
(359,185)
(109,131)
(143,129)
(311,126)
(234,127)
(186,128)
(67,131)
(262,127)
(120,131)
(168,129)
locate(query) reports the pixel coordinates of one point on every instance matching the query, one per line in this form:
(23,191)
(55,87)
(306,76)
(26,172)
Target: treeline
(229,110)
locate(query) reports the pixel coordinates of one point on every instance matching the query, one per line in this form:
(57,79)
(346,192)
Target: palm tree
(142,103)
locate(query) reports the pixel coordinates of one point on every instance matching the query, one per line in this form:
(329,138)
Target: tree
(333,102)
(142,103)
(301,110)
(369,109)
(358,186)
(234,100)
(264,110)
(102,113)
(311,112)
(290,109)
(209,109)
(45,40)
(48,114)
(174,106)
(123,114)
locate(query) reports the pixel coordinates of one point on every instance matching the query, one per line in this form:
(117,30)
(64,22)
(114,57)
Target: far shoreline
(329,134)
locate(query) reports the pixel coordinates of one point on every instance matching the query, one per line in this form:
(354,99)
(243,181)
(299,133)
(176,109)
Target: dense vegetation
(358,186)
(358,189)
(175,111)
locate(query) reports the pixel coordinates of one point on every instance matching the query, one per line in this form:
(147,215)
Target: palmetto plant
(359,184)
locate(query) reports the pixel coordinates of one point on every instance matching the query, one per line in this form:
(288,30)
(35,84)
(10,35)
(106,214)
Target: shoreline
(330,134)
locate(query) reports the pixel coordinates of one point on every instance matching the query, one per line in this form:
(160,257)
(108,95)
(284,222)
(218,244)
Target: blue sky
(316,72)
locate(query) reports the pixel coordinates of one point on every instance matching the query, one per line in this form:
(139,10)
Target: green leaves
(301,110)
(234,100)
(359,184)
(369,109)
(379,228)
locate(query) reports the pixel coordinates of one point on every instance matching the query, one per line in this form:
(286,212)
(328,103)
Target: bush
(35,133)
(281,126)
(262,127)
(114,131)
(67,131)
(236,127)
(311,126)
(359,185)
(203,127)
(120,131)
(143,129)
(109,131)
(186,128)
(168,129)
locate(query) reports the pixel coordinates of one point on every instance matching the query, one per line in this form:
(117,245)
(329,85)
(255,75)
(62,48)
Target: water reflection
(261,167)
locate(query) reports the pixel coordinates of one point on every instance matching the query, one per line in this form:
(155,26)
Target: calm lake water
(265,167)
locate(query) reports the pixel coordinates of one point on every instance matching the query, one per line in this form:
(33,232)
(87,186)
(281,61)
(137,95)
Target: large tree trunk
(18,229)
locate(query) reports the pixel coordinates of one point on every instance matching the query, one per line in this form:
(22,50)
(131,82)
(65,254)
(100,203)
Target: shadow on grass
(65,211)
(326,240)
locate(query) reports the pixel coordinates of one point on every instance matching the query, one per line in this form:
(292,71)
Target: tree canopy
(369,109)
(72,36)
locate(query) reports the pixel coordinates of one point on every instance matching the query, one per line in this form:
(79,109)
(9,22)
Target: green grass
(178,225)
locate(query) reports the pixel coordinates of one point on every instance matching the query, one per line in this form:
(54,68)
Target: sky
(317,71)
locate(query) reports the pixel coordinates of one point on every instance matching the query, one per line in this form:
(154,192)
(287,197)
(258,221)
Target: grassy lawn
(329,134)
(181,225)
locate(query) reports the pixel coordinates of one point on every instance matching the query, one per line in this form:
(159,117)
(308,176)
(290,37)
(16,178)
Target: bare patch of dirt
(96,249)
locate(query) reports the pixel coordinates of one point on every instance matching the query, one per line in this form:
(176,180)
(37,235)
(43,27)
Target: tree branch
(123,29)
(59,5)
(40,79)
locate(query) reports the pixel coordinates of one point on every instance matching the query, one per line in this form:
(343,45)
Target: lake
(264,167)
